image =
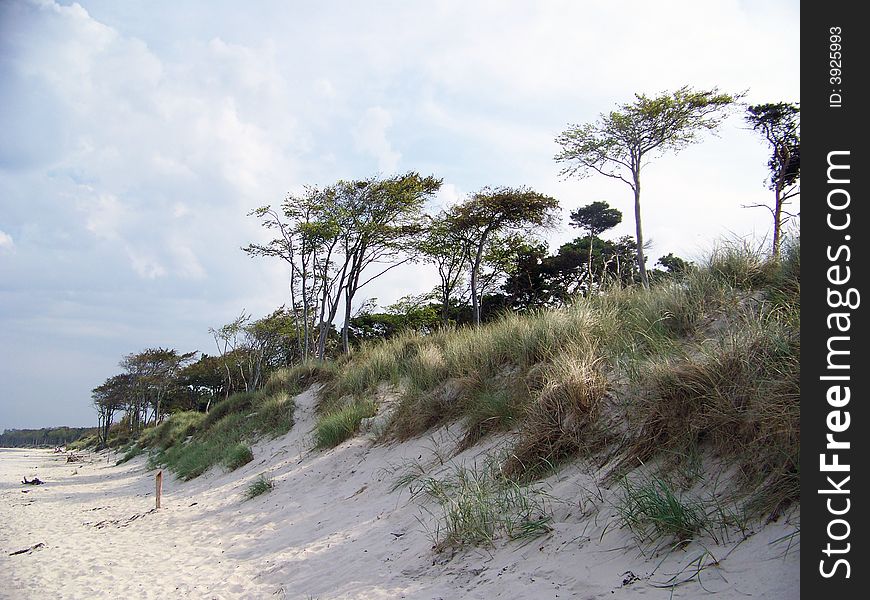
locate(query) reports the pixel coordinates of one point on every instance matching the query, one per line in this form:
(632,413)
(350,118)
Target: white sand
(331,528)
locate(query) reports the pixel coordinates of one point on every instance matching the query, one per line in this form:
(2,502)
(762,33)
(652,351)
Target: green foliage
(238,456)
(336,426)
(492,211)
(259,486)
(652,509)
(779,124)
(191,443)
(479,506)
(172,430)
(619,143)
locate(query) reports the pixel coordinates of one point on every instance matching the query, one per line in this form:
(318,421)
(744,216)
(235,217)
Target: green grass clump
(238,456)
(235,404)
(174,429)
(337,425)
(295,380)
(134,451)
(652,510)
(259,486)
(191,443)
(562,420)
(479,506)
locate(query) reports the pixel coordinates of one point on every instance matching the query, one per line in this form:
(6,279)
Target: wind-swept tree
(595,218)
(780,125)
(619,144)
(308,235)
(332,236)
(444,245)
(152,373)
(382,219)
(494,210)
(108,398)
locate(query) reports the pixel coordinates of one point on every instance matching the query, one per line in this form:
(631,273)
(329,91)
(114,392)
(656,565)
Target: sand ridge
(331,528)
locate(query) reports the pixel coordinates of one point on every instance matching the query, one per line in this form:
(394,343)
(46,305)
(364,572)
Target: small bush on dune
(562,420)
(479,505)
(238,456)
(259,486)
(335,427)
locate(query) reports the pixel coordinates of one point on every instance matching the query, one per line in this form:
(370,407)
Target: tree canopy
(620,143)
(779,124)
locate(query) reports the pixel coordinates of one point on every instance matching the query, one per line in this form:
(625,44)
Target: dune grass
(652,509)
(706,361)
(337,425)
(259,486)
(478,505)
(189,444)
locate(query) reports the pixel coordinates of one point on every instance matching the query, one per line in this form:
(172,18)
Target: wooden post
(159,482)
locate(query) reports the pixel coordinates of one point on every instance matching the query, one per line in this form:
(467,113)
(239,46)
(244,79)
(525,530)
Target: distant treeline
(47,436)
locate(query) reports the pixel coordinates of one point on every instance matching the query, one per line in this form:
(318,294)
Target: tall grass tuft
(191,443)
(259,486)
(336,426)
(477,506)
(652,509)
(238,456)
(562,420)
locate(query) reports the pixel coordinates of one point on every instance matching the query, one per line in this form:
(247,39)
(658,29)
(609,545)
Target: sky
(136,136)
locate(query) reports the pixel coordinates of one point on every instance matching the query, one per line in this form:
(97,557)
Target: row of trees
(339,238)
(47,436)
(157,381)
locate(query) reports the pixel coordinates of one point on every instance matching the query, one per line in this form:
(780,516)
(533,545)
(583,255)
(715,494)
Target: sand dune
(331,528)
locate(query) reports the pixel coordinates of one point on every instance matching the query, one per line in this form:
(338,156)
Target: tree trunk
(589,269)
(641,260)
(777,220)
(475,302)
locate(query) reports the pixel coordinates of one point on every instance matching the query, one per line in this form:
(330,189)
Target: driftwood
(34,481)
(26,550)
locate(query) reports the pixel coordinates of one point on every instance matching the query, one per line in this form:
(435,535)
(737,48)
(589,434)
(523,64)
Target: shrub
(238,456)
(259,486)
(336,426)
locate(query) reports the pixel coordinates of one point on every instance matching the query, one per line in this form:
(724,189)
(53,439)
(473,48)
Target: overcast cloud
(136,136)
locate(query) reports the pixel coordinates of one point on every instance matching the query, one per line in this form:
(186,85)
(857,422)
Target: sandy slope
(332,529)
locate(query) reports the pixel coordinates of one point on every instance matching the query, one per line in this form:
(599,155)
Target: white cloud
(448,195)
(105,214)
(370,136)
(136,141)
(6,242)
(145,264)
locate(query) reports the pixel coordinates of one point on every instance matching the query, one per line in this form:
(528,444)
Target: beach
(333,528)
